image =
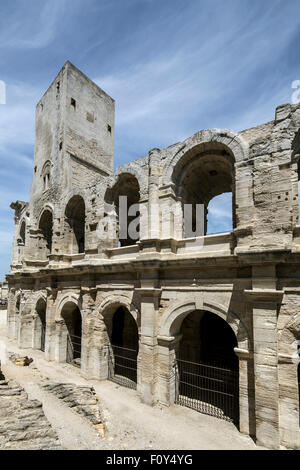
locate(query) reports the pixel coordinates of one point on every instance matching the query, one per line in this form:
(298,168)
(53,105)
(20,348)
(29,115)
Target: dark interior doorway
(124,345)
(208,369)
(40,329)
(72,316)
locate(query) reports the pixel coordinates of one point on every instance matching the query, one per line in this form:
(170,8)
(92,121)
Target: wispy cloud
(34,30)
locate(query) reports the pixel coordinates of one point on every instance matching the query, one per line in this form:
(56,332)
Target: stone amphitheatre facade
(209,322)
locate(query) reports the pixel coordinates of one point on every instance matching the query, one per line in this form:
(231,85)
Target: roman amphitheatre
(107,339)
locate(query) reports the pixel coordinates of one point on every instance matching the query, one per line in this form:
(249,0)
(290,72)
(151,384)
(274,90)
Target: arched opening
(208,369)
(46,171)
(202,174)
(298,374)
(71,334)
(219,215)
(124,198)
(75,218)
(40,325)
(124,349)
(23,233)
(46,230)
(17,317)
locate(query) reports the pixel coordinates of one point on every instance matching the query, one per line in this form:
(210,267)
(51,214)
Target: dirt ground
(129,423)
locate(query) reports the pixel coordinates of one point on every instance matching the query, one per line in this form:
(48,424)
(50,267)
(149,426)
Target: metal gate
(43,337)
(209,389)
(73,349)
(122,366)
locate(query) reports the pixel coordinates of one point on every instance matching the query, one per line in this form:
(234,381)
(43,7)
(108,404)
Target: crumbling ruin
(210,322)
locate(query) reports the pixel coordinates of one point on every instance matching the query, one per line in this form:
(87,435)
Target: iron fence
(122,367)
(208,389)
(73,349)
(43,337)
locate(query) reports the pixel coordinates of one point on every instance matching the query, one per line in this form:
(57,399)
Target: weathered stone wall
(248,277)
(23,425)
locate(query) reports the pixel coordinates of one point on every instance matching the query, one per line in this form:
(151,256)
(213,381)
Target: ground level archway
(207,371)
(124,346)
(71,334)
(40,325)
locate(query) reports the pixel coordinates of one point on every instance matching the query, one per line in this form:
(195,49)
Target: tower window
(73,103)
(109,128)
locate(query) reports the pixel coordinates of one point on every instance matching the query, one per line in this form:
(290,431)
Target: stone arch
(137,172)
(112,302)
(99,331)
(120,338)
(45,225)
(22,232)
(69,297)
(174,315)
(46,174)
(204,169)
(238,147)
(75,220)
(69,322)
(188,357)
(49,207)
(126,184)
(39,322)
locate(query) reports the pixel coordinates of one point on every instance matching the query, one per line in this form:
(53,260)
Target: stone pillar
(153,203)
(25,335)
(289,412)
(167,369)
(246,392)
(11,307)
(50,340)
(264,299)
(89,354)
(146,373)
(61,335)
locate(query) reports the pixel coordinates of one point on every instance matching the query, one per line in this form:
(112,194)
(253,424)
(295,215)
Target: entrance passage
(207,378)
(40,329)
(124,349)
(299,388)
(72,316)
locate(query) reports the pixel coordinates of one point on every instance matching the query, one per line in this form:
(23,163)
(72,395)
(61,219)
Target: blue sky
(173,66)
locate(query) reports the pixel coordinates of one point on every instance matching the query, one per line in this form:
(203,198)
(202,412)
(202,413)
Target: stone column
(146,373)
(11,314)
(264,299)
(25,336)
(289,411)
(89,360)
(50,340)
(246,392)
(153,203)
(167,369)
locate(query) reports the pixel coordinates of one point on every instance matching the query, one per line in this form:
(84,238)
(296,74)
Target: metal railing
(122,366)
(73,350)
(43,337)
(208,389)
